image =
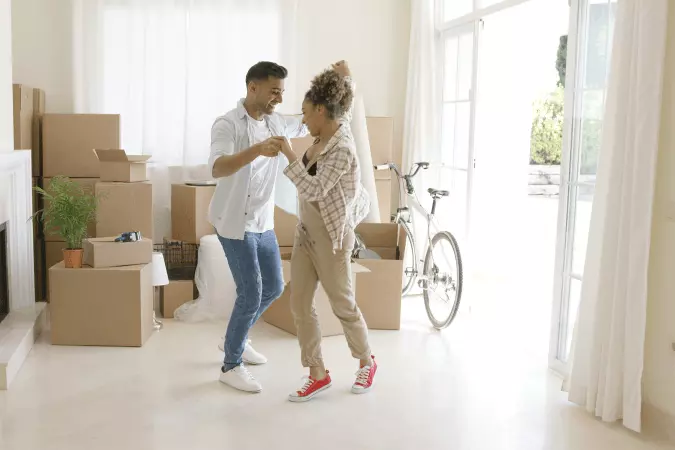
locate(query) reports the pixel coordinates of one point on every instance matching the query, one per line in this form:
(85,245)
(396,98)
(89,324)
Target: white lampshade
(159,275)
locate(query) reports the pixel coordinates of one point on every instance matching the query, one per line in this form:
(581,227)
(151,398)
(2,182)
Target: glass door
(588,62)
(459,47)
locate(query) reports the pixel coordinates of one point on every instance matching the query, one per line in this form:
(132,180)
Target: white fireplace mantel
(16,190)
(26,318)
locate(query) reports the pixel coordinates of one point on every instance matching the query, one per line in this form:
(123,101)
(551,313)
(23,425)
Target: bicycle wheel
(442,280)
(409,260)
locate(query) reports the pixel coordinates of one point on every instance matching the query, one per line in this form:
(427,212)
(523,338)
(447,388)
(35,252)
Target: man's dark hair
(265,69)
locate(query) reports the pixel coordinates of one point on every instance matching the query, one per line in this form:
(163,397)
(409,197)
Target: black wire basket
(180,258)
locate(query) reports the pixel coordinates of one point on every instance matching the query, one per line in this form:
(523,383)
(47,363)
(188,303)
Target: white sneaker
(250,355)
(240,378)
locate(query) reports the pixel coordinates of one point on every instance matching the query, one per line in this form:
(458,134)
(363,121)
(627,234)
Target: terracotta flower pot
(72,258)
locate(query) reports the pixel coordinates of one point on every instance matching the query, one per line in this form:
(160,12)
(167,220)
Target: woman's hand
(286,149)
(342,68)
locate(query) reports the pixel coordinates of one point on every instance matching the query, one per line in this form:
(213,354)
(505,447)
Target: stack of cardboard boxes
(189,223)
(109,301)
(67,144)
(29,107)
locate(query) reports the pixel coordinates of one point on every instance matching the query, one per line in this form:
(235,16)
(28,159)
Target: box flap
(119,155)
(379,234)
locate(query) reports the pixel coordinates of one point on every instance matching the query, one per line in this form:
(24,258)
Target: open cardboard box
(116,165)
(378,292)
(279,313)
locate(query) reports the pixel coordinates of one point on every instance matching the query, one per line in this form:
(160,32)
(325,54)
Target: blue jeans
(255,264)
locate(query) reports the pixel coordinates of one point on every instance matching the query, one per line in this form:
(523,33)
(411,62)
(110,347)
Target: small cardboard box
(68,141)
(174,295)
(378,292)
(105,252)
(124,207)
(189,212)
(89,186)
(279,313)
(116,165)
(284,227)
(23,117)
(102,307)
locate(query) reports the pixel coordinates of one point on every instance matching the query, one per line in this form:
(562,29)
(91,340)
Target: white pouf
(217,291)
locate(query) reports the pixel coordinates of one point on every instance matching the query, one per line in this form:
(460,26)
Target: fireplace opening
(4,269)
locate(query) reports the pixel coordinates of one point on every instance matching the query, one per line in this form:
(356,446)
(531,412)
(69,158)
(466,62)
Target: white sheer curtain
(421,128)
(608,354)
(170,68)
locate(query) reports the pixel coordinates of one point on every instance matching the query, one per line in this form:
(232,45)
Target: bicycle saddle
(438,194)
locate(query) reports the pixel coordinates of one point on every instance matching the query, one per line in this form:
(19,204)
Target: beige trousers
(313,261)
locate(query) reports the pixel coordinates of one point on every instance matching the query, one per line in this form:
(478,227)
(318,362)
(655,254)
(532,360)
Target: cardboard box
(124,207)
(189,212)
(39,108)
(89,186)
(174,295)
(105,252)
(53,252)
(279,313)
(68,141)
(381,137)
(284,227)
(116,165)
(378,292)
(384,187)
(23,117)
(103,307)
(39,268)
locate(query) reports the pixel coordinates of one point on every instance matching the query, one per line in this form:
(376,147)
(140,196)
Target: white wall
(6,102)
(372,35)
(659,372)
(42,47)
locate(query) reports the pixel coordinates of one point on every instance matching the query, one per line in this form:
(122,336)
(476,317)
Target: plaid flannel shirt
(343,201)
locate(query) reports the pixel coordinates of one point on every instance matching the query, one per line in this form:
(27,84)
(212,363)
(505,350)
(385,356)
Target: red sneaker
(364,378)
(310,389)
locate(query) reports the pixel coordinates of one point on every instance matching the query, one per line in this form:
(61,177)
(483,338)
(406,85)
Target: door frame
(567,206)
(474,29)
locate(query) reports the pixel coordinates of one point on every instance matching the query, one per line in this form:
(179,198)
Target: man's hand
(342,68)
(270,148)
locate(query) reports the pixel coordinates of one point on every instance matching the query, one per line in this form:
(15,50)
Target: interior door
(588,62)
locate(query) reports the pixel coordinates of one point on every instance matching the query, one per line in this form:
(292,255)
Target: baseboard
(657,424)
(18,333)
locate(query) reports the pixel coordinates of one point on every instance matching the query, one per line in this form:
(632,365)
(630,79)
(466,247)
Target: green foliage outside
(547,129)
(69,209)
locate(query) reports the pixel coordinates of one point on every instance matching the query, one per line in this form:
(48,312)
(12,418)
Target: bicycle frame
(404,213)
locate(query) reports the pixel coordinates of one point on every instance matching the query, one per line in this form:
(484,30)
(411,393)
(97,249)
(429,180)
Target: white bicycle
(439,274)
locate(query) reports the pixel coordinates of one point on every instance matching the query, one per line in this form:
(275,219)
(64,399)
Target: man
(245,144)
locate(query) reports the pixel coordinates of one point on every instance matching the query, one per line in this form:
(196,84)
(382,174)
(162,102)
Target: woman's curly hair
(332,91)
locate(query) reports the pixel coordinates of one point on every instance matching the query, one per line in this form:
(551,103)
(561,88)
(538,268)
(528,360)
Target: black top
(310,170)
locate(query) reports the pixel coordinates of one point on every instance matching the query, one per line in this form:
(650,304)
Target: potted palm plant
(69,209)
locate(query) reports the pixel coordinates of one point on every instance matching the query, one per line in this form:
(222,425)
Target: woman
(332,202)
